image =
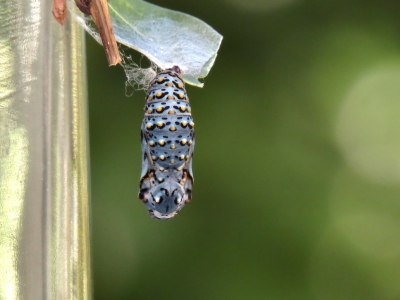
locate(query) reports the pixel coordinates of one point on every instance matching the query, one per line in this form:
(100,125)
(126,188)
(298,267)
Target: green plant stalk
(44,195)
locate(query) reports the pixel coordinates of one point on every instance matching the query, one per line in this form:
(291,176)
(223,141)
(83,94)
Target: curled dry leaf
(58,10)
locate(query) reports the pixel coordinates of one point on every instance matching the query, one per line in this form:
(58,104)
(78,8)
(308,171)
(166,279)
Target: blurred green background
(297,161)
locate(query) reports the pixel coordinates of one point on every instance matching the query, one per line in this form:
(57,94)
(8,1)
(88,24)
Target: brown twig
(101,16)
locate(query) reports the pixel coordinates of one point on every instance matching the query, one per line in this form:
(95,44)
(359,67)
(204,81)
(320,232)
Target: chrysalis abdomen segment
(167,145)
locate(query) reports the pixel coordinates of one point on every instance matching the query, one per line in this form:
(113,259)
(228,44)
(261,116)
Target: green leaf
(166,37)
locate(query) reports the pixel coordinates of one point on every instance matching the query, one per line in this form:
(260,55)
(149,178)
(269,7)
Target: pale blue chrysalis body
(167,137)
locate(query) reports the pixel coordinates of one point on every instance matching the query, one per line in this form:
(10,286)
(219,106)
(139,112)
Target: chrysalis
(167,136)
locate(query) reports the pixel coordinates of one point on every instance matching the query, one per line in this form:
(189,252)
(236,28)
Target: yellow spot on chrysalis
(191,124)
(157,199)
(160,124)
(159,109)
(173,147)
(172,128)
(154,157)
(179,76)
(149,125)
(161,142)
(158,94)
(149,111)
(150,98)
(160,79)
(183,108)
(151,143)
(190,142)
(162,157)
(172,161)
(184,123)
(170,97)
(161,169)
(169,84)
(182,157)
(181,95)
(160,179)
(183,142)
(180,85)
(189,109)
(180,168)
(171,112)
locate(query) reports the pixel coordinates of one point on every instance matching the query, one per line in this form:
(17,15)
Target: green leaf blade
(166,37)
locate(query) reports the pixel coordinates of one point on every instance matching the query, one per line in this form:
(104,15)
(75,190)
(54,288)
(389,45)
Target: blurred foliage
(297,168)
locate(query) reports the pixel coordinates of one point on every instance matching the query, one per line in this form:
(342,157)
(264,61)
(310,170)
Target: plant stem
(44,195)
